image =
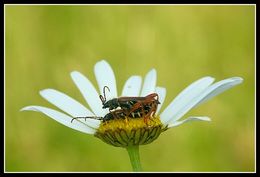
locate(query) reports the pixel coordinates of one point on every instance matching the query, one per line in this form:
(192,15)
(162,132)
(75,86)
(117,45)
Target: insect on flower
(145,101)
(133,106)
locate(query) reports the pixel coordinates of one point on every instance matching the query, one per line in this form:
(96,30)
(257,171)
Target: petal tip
(153,70)
(100,64)
(28,108)
(239,79)
(72,73)
(103,61)
(135,76)
(44,91)
(210,77)
(206,119)
(235,80)
(23,109)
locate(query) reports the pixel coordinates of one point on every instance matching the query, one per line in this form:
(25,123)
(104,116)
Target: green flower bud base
(130,132)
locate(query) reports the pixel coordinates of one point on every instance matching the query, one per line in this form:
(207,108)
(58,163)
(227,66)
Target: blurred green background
(43,44)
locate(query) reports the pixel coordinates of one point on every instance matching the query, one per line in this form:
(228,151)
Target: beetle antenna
(103,99)
(97,118)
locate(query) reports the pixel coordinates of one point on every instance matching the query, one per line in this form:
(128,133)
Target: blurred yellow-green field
(43,44)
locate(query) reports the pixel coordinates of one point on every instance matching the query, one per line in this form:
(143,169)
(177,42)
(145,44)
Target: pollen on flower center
(130,131)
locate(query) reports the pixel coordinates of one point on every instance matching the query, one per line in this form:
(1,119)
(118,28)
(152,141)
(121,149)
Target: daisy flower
(128,132)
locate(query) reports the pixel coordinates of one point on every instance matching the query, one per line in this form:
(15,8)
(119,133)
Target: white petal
(184,98)
(89,93)
(161,91)
(177,123)
(61,118)
(222,85)
(233,81)
(132,86)
(69,105)
(105,77)
(149,83)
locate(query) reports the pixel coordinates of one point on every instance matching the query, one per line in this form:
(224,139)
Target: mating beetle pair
(133,107)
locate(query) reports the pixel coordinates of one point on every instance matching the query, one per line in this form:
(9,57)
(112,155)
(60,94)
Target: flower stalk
(133,152)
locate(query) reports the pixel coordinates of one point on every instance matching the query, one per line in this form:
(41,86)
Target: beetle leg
(135,107)
(126,120)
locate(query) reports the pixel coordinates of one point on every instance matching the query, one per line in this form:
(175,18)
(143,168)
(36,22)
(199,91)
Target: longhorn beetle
(133,107)
(132,104)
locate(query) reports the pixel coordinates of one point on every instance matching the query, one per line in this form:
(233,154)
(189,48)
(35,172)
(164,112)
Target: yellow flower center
(130,131)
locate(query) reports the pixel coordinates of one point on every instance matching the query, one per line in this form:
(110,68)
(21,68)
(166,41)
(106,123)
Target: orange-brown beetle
(147,105)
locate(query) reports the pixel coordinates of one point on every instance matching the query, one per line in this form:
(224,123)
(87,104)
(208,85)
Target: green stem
(133,152)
